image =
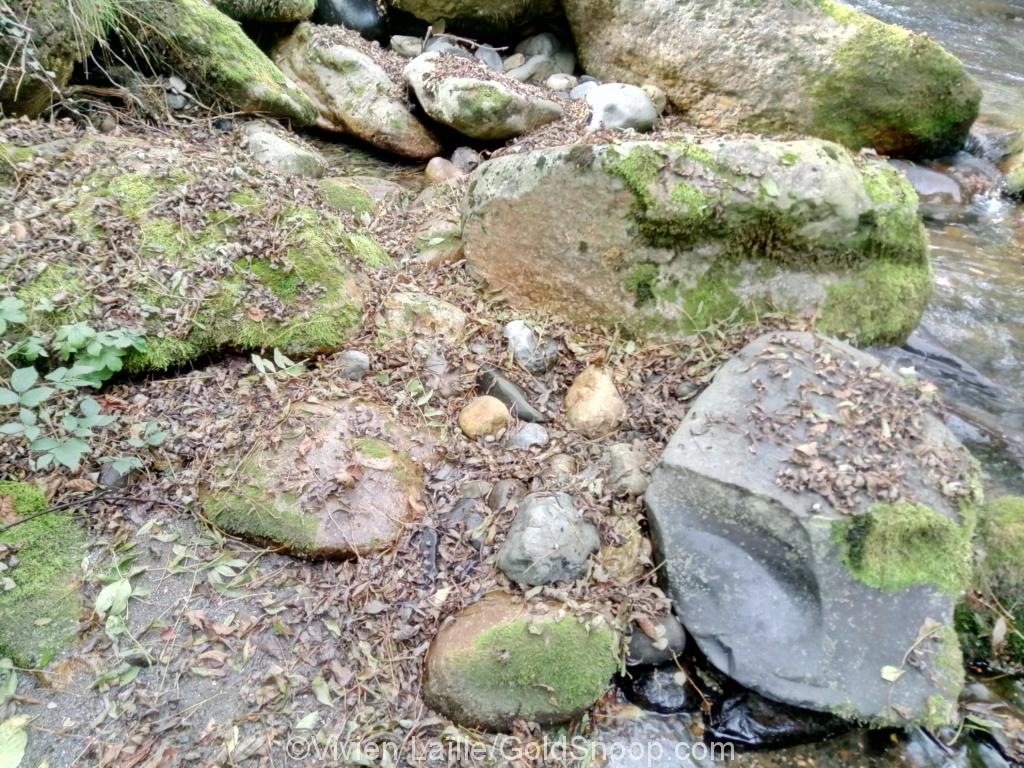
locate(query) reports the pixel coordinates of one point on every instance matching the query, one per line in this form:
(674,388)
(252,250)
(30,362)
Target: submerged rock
(353,94)
(664,690)
(267,10)
(363,16)
(504,659)
(813,520)
(548,542)
(42,558)
(340,484)
(751,721)
(470,98)
(820,68)
(674,237)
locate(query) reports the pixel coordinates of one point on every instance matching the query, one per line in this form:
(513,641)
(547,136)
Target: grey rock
(544,44)
(582,90)
(477,102)
(528,350)
(513,61)
(646,651)
(284,155)
(663,690)
(536,68)
(354,364)
(363,16)
(466,159)
(407,46)
(564,63)
(930,185)
(527,436)
(176,101)
(548,542)
(761,574)
(490,57)
(618,106)
(444,45)
(353,94)
(626,476)
(506,494)
(491,382)
(561,82)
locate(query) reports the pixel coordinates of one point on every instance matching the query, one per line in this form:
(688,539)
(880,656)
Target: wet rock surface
(664,690)
(752,722)
(844,579)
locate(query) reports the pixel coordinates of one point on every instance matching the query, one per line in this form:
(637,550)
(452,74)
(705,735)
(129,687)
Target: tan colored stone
(592,405)
(439,170)
(483,416)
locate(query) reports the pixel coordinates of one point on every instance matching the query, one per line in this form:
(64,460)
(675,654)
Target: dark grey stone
(363,16)
(490,382)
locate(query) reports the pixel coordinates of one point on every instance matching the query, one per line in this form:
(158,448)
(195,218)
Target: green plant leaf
(113,598)
(23,379)
(70,452)
(36,396)
(13,741)
(8,397)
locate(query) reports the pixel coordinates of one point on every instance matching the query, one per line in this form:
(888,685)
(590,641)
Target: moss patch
(897,546)
(879,304)
(347,197)
(39,617)
(559,664)
(890,89)
(252,513)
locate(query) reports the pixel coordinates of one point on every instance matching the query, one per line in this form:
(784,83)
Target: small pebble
(527,436)
(440,170)
(354,364)
(561,82)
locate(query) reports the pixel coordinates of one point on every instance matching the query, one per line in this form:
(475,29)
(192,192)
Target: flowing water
(971,343)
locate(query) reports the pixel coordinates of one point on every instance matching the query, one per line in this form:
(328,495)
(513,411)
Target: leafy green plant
(49,411)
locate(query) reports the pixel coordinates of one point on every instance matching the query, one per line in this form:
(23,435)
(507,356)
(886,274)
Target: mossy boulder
(343,481)
(676,236)
(478,16)
(39,615)
(469,97)
(1013,185)
(179,244)
(504,659)
(812,519)
(42,46)
(815,67)
(991,617)
(198,42)
(344,76)
(267,10)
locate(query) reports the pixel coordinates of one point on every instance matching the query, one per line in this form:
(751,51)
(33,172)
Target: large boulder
(475,16)
(267,10)
(816,67)
(343,482)
(193,246)
(504,659)
(469,97)
(676,236)
(812,517)
(205,47)
(353,93)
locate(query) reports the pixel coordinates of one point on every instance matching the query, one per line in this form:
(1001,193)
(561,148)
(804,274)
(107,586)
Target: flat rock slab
(343,481)
(808,515)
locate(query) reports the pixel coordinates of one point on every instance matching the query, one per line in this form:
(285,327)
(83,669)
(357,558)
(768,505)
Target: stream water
(970,343)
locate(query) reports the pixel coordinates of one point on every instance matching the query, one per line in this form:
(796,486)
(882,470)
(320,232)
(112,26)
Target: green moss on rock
(883,301)
(251,513)
(346,197)
(897,546)
(998,589)
(39,617)
(893,90)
